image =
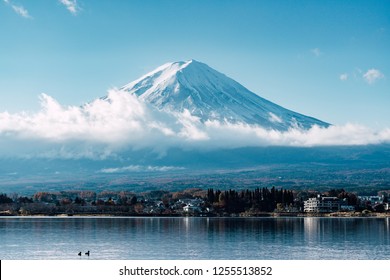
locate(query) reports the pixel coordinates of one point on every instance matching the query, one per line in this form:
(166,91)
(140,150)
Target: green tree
(5,199)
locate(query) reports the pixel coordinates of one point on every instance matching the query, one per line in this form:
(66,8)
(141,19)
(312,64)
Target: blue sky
(327,59)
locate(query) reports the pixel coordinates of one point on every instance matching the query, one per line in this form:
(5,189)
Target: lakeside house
(371,199)
(192,206)
(375,202)
(322,204)
(192,209)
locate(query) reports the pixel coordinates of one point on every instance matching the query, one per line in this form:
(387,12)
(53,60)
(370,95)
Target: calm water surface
(195,238)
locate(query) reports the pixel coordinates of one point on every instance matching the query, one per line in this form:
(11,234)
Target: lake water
(194,238)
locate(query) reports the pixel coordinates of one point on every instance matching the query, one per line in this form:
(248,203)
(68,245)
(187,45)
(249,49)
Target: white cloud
(344,77)
(141,168)
(121,122)
(316,51)
(20,10)
(238,135)
(71,6)
(372,75)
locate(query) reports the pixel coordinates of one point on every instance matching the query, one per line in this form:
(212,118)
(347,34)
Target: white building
(322,204)
(372,199)
(347,208)
(192,209)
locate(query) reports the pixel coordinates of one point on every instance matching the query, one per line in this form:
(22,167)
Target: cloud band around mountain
(106,127)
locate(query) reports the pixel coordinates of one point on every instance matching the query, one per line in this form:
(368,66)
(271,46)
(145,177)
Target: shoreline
(242,215)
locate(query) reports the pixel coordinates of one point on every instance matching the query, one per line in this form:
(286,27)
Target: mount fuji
(212,96)
(157,143)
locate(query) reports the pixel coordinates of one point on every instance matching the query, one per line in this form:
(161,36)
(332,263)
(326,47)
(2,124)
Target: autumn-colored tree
(139,208)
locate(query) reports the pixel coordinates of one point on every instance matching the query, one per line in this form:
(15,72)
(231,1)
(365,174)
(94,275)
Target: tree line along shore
(196,202)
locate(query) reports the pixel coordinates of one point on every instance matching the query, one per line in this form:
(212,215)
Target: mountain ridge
(210,95)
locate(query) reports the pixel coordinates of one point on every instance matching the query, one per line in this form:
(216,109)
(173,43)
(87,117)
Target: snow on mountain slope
(210,95)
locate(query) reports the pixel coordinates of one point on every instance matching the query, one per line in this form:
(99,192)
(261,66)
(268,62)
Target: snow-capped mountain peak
(210,95)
